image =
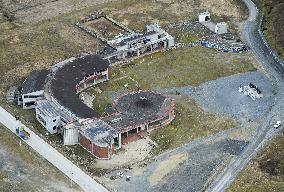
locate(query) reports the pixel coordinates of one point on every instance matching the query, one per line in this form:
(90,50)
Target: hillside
(273,24)
(265,172)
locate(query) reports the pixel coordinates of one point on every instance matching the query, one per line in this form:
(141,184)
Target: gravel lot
(222,96)
(202,162)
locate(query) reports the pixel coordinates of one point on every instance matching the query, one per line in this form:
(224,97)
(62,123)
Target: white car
(277,124)
(120,174)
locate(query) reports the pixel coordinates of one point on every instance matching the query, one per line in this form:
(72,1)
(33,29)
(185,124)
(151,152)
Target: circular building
(144,105)
(140,112)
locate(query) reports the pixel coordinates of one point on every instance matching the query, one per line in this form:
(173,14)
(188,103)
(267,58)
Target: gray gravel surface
(202,163)
(222,96)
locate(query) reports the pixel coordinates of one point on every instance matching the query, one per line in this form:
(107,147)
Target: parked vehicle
(277,124)
(22,133)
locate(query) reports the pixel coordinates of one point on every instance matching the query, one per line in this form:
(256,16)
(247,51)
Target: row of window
(28,104)
(44,122)
(32,96)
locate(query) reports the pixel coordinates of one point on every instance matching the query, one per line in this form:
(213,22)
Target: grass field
(25,48)
(183,67)
(191,122)
(265,172)
(104,28)
(135,14)
(102,99)
(273,23)
(40,45)
(74,153)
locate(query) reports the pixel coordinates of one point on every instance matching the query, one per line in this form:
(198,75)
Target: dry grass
(265,172)
(136,14)
(24,48)
(53,38)
(252,179)
(102,100)
(11,142)
(180,68)
(174,68)
(184,67)
(166,166)
(104,28)
(273,23)
(186,37)
(191,122)
(3,175)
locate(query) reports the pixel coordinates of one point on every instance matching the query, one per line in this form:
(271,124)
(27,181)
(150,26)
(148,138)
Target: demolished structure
(136,44)
(251,90)
(131,43)
(61,111)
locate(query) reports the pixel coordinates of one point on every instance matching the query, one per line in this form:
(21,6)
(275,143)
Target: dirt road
(274,69)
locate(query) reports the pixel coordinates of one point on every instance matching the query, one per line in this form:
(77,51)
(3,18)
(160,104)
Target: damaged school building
(131,43)
(60,110)
(136,44)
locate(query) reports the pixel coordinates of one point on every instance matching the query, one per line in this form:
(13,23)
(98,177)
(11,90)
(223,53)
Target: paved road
(274,69)
(53,156)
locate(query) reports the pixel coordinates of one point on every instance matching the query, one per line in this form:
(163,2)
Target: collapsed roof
(35,81)
(63,86)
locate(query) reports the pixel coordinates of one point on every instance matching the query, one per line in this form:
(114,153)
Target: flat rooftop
(99,132)
(51,110)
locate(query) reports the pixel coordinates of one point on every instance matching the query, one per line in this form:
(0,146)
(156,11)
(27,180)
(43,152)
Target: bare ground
(21,169)
(188,168)
(132,153)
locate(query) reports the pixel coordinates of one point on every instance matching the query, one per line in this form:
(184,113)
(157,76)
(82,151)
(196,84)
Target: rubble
(128,177)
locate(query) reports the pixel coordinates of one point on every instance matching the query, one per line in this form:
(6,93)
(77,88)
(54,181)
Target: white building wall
(53,124)
(171,42)
(203,16)
(153,37)
(70,136)
(156,28)
(120,48)
(50,123)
